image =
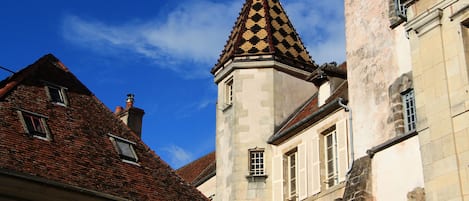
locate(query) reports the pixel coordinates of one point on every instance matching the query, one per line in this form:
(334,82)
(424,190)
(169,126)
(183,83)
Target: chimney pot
(118,110)
(130,101)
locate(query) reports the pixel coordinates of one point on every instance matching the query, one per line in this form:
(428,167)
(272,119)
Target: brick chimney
(131,115)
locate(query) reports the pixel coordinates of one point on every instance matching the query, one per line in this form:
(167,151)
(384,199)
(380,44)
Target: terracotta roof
(310,112)
(199,170)
(79,153)
(263,28)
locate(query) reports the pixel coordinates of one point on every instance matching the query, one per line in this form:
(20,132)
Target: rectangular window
(256,162)
(57,94)
(35,125)
(410,118)
(124,148)
(401,8)
(330,145)
(465,35)
(229,92)
(292,170)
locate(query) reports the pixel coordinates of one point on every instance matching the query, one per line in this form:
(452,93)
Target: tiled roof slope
(311,112)
(263,28)
(199,170)
(80,153)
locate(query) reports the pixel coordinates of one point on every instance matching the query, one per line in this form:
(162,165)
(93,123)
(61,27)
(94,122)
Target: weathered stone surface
(358,186)
(418,194)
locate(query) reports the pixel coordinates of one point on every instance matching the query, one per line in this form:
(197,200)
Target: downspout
(351,151)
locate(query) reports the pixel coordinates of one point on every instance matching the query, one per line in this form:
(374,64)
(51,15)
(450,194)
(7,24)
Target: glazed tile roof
(263,28)
(79,154)
(199,170)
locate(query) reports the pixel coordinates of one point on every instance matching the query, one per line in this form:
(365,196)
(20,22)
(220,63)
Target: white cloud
(321,27)
(178,156)
(188,109)
(195,32)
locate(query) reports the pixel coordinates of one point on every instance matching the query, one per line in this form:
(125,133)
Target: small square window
(256,162)
(57,95)
(124,148)
(35,125)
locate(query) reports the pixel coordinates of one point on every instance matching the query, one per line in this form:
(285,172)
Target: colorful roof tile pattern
(263,28)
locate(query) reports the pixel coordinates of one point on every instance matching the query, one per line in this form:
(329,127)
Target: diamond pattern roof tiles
(263,28)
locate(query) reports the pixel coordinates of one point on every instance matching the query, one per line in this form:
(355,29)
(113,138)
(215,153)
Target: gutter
(58,185)
(351,150)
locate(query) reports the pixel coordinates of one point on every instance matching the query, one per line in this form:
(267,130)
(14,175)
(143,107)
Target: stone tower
(261,80)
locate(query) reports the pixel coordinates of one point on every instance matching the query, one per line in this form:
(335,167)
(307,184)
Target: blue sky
(162,51)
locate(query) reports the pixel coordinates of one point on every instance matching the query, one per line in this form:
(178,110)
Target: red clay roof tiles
(80,152)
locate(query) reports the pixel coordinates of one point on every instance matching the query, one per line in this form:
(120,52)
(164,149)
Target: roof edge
(67,187)
(323,111)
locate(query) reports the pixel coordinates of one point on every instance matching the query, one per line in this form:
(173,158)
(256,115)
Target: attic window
(34,124)
(57,94)
(124,148)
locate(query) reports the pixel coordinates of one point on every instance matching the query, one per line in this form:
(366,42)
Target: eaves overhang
(316,116)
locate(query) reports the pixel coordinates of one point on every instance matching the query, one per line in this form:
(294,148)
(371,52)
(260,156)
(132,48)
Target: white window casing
(277,178)
(331,158)
(315,169)
(342,143)
(302,174)
(292,175)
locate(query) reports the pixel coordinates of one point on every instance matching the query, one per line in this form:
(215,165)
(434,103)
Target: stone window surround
(125,158)
(409,112)
(61,92)
(42,120)
(253,154)
(398,11)
(401,85)
(228,92)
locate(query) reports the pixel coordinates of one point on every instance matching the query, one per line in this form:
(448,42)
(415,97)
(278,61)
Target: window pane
(56,95)
(125,150)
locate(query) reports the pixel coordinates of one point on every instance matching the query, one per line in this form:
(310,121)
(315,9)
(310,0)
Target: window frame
(331,174)
(409,112)
(29,119)
(259,167)
(291,195)
(228,91)
(117,141)
(400,7)
(63,101)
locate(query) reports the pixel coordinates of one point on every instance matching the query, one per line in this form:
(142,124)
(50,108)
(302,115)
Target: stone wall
(358,185)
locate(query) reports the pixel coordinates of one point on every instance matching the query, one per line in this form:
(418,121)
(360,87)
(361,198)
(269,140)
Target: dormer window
(57,94)
(34,124)
(124,148)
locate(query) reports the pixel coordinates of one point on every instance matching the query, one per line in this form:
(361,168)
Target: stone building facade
(438,33)
(407,83)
